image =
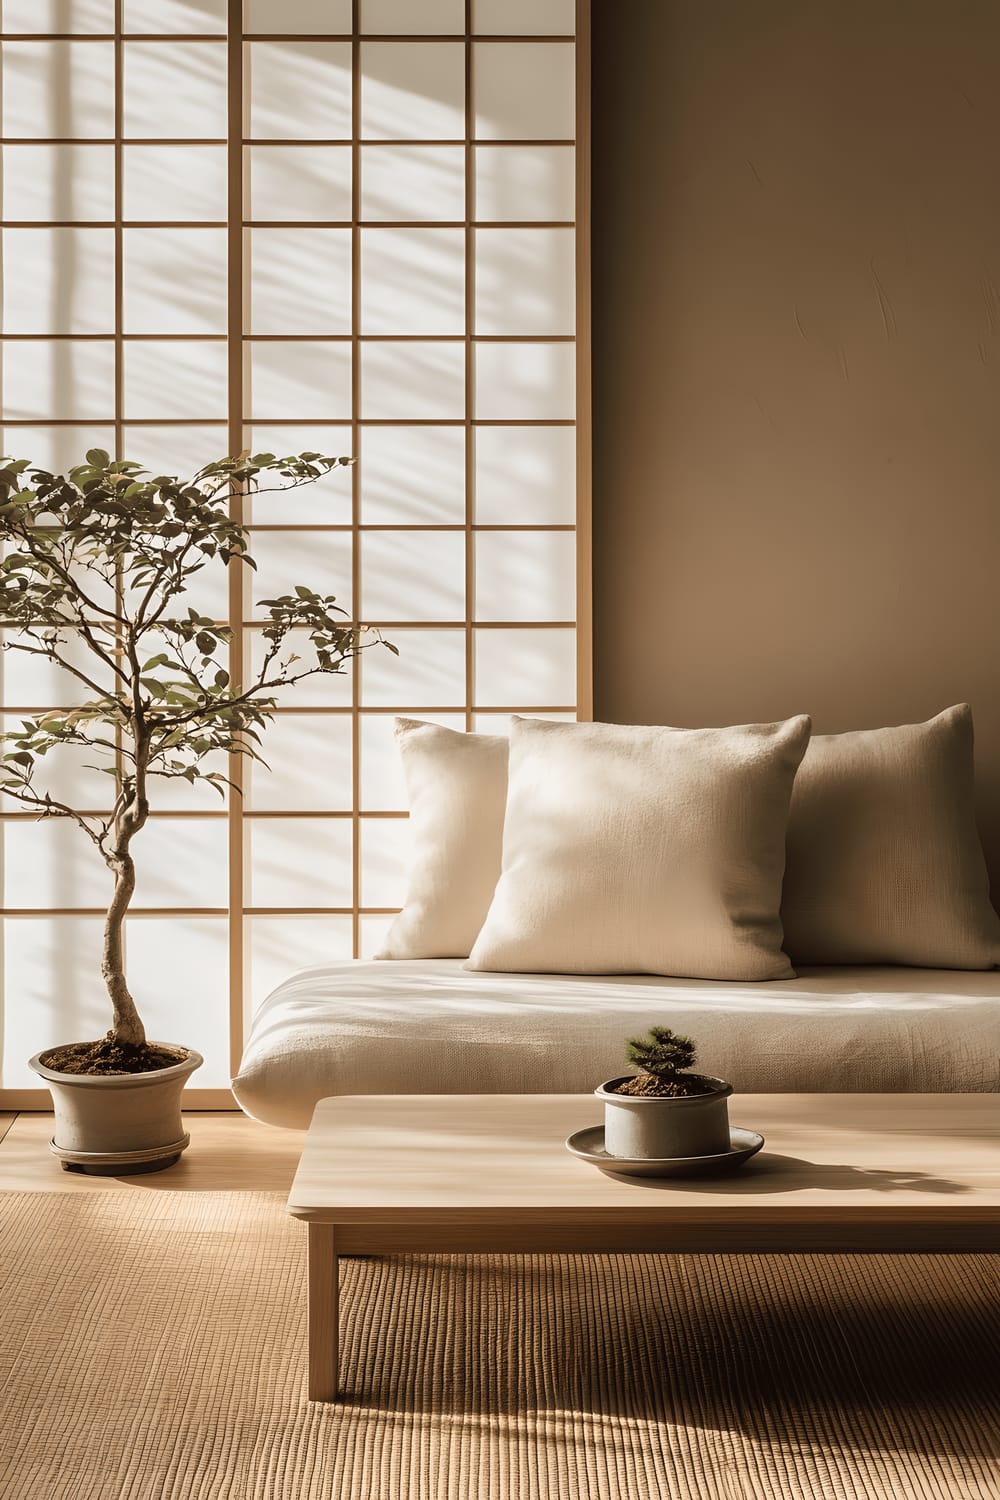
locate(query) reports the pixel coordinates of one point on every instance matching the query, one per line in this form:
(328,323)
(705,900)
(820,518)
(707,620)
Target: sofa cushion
(884,859)
(433,1027)
(632,848)
(456,785)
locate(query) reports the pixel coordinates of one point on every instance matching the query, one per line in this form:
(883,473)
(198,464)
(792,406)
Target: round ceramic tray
(588,1145)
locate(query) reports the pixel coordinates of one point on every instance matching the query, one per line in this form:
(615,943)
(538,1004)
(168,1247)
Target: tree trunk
(127,1027)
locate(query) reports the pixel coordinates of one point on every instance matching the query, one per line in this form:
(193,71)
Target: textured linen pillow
(884,859)
(630,849)
(456,784)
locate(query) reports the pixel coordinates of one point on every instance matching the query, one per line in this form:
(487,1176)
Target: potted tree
(94,569)
(664,1111)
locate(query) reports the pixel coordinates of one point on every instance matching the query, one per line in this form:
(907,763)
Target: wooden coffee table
(489,1172)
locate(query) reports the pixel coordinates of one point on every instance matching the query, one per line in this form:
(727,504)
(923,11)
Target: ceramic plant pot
(645,1127)
(119,1124)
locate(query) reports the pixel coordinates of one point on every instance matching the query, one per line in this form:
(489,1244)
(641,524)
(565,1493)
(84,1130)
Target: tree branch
(50,808)
(100,653)
(52,655)
(45,558)
(219,705)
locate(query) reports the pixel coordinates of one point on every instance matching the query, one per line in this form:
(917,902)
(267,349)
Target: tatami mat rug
(152,1347)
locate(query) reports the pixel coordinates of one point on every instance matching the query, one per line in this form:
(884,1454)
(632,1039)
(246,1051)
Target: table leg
(324,1314)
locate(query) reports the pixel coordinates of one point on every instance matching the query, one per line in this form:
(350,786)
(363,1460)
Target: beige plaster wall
(797,363)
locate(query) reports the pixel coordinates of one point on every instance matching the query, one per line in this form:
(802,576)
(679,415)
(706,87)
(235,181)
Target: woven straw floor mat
(153,1345)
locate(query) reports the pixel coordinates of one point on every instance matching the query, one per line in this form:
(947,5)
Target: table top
(498,1158)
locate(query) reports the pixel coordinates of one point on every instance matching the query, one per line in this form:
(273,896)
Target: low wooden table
(489,1172)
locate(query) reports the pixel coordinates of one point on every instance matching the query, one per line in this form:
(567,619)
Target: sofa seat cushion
(429,1026)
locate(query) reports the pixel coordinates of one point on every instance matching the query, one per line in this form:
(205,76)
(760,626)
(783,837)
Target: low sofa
(581,849)
(431,1026)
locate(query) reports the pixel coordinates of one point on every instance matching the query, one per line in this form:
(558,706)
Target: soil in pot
(645,1086)
(108,1057)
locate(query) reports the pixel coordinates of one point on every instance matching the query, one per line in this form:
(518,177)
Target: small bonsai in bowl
(664,1111)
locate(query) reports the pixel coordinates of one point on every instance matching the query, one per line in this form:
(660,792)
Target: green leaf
(98,458)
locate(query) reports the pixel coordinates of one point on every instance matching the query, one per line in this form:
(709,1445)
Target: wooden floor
(228,1153)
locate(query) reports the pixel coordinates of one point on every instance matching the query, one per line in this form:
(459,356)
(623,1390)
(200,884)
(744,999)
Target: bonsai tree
(661,1057)
(95,567)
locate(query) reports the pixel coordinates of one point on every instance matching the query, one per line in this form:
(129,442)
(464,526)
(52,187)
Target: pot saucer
(588,1145)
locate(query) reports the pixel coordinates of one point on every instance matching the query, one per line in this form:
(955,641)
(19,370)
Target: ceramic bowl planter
(118,1124)
(659,1128)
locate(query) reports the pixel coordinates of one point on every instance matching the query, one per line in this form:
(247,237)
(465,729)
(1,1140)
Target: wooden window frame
(236,223)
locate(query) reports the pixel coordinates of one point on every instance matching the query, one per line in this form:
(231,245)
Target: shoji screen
(357,227)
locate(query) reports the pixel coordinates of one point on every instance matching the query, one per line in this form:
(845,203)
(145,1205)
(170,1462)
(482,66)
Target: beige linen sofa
(432,1026)
(603,846)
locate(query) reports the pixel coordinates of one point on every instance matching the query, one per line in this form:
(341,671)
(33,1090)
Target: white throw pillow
(884,859)
(456,784)
(637,849)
